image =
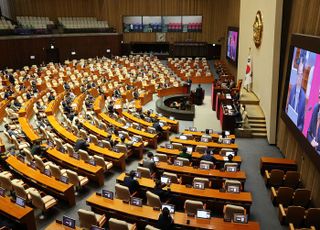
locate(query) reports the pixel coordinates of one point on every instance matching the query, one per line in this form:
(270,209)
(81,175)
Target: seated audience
(81,144)
(131,182)
(165,221)
(149,163)
(184,154)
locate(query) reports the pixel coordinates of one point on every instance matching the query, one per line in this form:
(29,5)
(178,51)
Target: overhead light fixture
(73,53)
(32,57)
(108,50)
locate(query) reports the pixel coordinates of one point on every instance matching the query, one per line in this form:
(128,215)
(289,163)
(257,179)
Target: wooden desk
(116,158)
(173,123)
(208,144)
(55,226)
(144,214)
(145,97)
(172,91)
(213,197)
(49,184)
(213,135)
(196,172)
(269,163)
(24,216)
(94,173)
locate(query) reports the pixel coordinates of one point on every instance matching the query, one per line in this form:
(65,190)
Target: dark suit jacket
(132,184)
(300,106)
(312,130)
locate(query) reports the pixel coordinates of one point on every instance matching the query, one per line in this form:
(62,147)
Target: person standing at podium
(189,83)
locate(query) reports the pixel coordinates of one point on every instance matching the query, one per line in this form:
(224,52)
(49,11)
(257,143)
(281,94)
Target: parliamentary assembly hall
(159,114)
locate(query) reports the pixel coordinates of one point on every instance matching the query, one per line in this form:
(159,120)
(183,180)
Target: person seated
(39,107)
(37,149)
(110,107)
(131,182)
(149,162)
(158,190)
(165,220)
(81,144)
(13,132)
(208,157)
(51,97)
(157,126)
(184,154)
(16,105)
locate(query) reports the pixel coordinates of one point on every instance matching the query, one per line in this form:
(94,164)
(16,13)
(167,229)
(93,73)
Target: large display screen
(162,24)
(232,44)
(301,108)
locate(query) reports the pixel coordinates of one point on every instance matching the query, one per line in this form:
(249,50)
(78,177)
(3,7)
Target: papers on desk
(117,106)
(229,107)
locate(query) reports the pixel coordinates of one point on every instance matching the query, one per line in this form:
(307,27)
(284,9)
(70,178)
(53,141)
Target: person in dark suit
(297,99)
(184,154)
(165,221)
(81,144)
(131,183)
(313,133)
(207,157)
(163,195)
(199,95)
(189,83)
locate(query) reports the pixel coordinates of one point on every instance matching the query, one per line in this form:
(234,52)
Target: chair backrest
(55,171)
(149,227)
(295,215)
(70,149)
(276,177)
(20,191)
(191,206)
(37,200)
(201,148)
(162,157)
(177,146)
(84,155)
(173,177)
(100,161)
(39,163)
(73,178)
(59,144)
(291,179)
(83,134)
(207,162)
(122,148)
(106,144)
(151,130)
(202,180)
(185,161)
(284,196)
(153,200)
(115,224)
(145,172)
(87,218)
(223,151)
(122,192)
(229,210)
(5,183)
(29,156)
(301,197)
(312,217)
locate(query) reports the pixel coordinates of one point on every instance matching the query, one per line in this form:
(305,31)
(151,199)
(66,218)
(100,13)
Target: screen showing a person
(169,146)
(178,163)
(226,141)
(209,131)
(20,201)
(165,180)
(64,179)
(92,162)
(230,168)
(204,139)
(76,156)
(136,201)
(69,222)
(138,174)
(204,214)
(132,24)
(233,189)
(107,194)
(303,96)
(2,192)
(189,149)
(230,153)
(47,172)
(204,166)
(169,206)
(232,44)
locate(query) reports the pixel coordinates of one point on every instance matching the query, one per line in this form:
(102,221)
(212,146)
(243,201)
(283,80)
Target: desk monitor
(226,133)
(183,137)
(76,156)
(2,192)
(230,153)
(240,218)
(193,129)
(231,168)
(169,146)
(94,227)
(47,172)
(115,149)
(204,139)
(92,162)
(156,159)
(171,118)
(165,180)
(20,201)
(209,131)
(69,222)
(203,214)
(198,185)
(20,158)
(64,179)
(137,174)
(161,124)
(107,194)
(226,141)
(136,201)
(169,206)
(148,119)
(233,189)
(178,163)
(32,164)
(189,149)
(204,166)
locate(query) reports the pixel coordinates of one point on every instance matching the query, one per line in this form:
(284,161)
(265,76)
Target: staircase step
(256,117)
(258,125)
(255,121)
(262,135)
(258,130)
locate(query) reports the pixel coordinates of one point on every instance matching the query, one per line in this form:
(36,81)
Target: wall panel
(305,18)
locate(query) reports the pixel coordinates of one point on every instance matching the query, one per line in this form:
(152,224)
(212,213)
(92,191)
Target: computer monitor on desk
(203,214)
(20,201)
(169,206)
(2,192)
(69,222)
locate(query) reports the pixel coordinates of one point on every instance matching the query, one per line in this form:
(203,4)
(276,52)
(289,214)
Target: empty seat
(42,203)
(89,218)
(153,200)
(229,210)
(145,172)
(76,180)
(115,224)
(185,161)
(207,162)
(191,206)
(312,217)
(7,184)
(177,146)
(201,149)
(205,181)
(301,197)
(282,196)
(40,164)
(122,192)
(274,178)
(56,172)
(229,182)
(20,191)
(84,155)
(291,179)
(106,165)
(173,177)
(293,214)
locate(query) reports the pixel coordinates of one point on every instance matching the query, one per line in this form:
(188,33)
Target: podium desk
(269,163)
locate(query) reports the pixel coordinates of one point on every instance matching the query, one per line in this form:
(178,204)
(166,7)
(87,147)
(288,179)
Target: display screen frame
(232,29)
(312,44)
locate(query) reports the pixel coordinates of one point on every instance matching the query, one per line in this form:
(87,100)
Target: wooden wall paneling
(305,18)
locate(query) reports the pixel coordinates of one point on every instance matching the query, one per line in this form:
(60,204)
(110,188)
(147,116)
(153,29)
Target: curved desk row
(208,144)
